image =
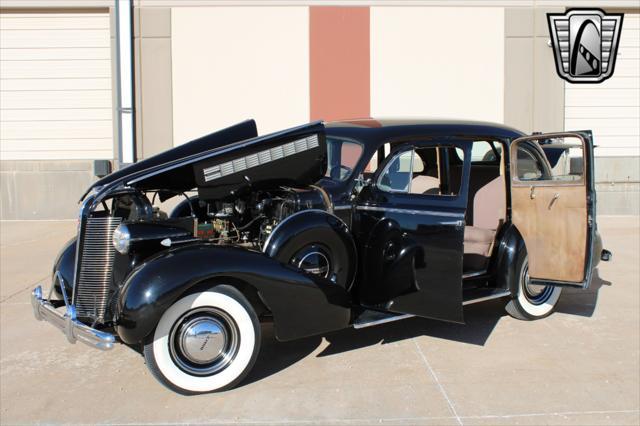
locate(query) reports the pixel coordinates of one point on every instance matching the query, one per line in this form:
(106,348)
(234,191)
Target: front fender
(65,264)
(301,304)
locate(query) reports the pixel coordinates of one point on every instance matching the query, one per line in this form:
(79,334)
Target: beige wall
(262,74)
(153,81)
(437,62)
(533,92)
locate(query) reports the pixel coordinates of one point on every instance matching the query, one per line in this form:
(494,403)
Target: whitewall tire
(531,302)
(205,342)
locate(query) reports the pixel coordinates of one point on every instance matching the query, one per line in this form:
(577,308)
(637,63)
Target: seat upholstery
(489,209)
(477,247)
(422,184)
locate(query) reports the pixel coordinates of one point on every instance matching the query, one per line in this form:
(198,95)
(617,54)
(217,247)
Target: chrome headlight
(121,239)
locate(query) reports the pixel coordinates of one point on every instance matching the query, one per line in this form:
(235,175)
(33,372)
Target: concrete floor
(579,366)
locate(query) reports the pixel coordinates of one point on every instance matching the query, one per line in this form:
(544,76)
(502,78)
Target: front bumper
(75,330)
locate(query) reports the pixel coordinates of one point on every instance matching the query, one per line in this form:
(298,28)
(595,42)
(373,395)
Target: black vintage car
(318,228)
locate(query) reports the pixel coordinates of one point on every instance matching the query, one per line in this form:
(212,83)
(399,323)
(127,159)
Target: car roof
(373,129)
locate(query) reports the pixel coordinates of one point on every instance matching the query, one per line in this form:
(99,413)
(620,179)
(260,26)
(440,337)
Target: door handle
(389,252)
(532,192)
(554,199)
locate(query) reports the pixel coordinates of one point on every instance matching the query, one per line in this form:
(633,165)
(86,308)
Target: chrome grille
(96,266)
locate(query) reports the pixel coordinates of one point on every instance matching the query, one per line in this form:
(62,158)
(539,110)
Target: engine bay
(244,219)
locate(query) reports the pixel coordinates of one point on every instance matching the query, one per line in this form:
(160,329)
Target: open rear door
(553,205)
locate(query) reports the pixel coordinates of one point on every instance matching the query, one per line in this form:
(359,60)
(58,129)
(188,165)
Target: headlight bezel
(121,239)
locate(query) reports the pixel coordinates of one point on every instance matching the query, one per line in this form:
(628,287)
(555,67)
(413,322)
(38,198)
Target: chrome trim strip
(342,207)
(409,211)
(382,321)
(75,331)
(489,297)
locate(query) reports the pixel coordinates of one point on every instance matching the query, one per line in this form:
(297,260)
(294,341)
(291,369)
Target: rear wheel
(531,301)
(205,342)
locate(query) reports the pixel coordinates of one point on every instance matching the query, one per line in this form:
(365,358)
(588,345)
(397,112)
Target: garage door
(55,86)
(611,109)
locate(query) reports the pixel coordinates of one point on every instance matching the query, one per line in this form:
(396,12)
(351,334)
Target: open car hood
(230,160)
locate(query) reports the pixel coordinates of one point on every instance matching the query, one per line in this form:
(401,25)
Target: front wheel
(531,301)
(205,342)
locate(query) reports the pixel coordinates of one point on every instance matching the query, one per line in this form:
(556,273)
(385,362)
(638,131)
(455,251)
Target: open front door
(410,227)
(553,205)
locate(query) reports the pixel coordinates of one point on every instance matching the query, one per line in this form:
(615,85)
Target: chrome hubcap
(204,341)
(314,260)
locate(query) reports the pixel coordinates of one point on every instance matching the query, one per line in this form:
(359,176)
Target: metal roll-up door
(611,109)
(55,83)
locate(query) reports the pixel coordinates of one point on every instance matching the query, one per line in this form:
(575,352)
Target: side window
(425,177)
(564,158)
(528,165)
(485,152)
(420,172)
(397,175)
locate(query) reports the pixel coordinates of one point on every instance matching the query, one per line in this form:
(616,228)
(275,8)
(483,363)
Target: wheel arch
(301,304)
(246,288)
(509,243)
(316,226)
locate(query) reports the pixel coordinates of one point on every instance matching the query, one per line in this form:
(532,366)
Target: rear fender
(504,266)
(301,304)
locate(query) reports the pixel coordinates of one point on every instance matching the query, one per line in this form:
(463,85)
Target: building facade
(200,65)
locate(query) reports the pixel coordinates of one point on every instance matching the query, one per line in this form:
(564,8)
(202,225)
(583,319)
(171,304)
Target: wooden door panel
(552,213)
(562,214)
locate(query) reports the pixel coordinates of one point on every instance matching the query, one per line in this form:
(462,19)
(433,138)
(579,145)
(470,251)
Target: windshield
(343,156)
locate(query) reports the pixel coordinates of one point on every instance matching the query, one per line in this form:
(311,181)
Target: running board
(475,274)
(482,294)
(370,318)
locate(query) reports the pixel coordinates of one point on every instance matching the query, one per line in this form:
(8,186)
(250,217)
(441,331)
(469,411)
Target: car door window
(425,176)
(397,175)
(485,152)
(566,159)
(528,165)
(420,171)
(558,160)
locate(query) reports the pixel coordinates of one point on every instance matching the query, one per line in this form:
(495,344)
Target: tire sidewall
(525,307)
(231,301)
